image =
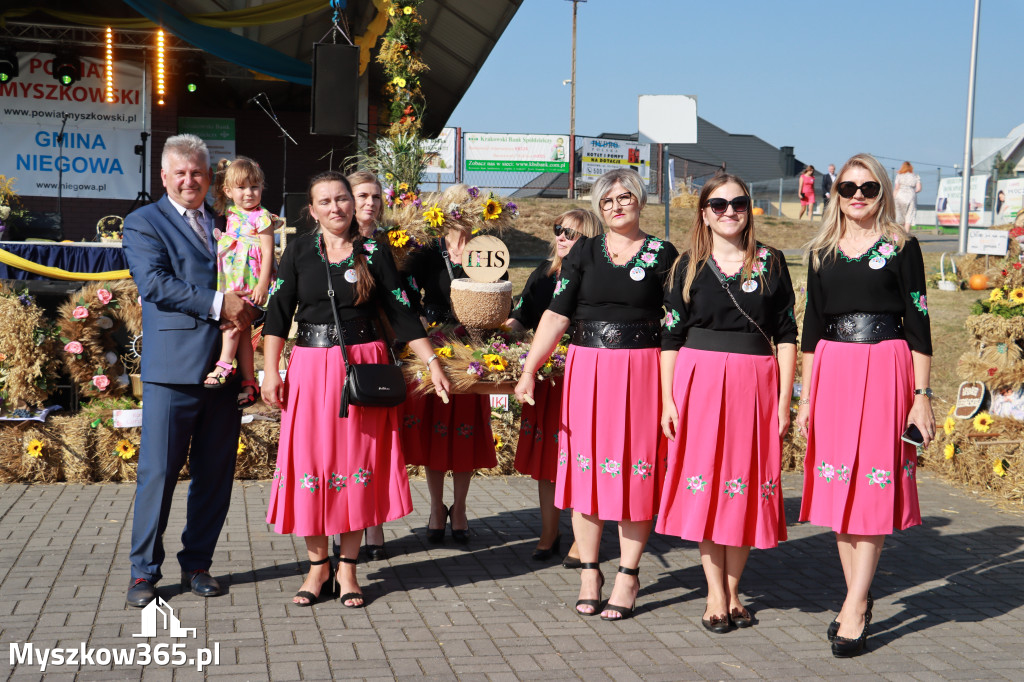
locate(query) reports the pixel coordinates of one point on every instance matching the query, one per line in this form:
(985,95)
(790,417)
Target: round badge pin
(749,286)
(637,273)
(877,263)
(350,276)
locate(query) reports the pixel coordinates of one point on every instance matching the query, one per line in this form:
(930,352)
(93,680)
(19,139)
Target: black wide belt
(727,342)
(863,327)
(358,330)
(596,334)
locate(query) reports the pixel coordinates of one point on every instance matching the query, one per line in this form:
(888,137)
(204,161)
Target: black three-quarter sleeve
(814,316)
(783,299)
(914,287)
(677,313)
(536,296)
(283,294)
(393,298)
(567,284)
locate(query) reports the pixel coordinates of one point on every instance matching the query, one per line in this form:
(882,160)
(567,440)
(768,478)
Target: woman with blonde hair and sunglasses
(537,447)
(611,288)
(866,366)
(725,398)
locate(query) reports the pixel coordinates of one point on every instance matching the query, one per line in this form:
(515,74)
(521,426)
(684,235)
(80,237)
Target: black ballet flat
(546,554)
(847,648)
(717,624)
(741,618)
(435,536)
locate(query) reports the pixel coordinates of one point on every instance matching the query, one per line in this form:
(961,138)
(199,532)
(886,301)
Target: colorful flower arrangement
(29,364)
(399,55)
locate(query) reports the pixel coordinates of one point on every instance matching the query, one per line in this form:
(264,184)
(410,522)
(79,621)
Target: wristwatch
(923,391)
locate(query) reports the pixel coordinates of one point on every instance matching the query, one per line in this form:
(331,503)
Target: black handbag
(366,385)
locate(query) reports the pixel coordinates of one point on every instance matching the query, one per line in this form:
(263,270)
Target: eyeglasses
(719,206)
(869,189)
(624,199)
(569,233)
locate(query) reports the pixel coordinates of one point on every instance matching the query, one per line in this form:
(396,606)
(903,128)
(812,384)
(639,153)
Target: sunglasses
(719,206)
(569,233)
(869,189)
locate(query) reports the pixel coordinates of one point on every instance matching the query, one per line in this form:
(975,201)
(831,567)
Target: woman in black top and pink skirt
(611,287)
(867,360)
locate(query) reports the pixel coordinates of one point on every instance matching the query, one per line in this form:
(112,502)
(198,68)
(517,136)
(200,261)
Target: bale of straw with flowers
(257,449)
(505,427)
(28,357)
(983,453)
(71,435)
(973,264)
(117,452)
(40,460)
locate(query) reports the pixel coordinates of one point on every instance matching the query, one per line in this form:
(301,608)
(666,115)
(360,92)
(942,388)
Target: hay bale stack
(110,467)
(72,434)
(257,450)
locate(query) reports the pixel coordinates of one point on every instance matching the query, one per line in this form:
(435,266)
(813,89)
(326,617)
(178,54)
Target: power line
(916,163)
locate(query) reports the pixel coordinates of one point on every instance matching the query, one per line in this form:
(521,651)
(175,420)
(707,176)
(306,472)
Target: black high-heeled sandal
(314,598)
(545,554)
(847,648)
(623,611)
(596,603)
(833,627)
(350,595)
(435,536)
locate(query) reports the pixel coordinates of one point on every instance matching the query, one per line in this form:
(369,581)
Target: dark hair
(364,283)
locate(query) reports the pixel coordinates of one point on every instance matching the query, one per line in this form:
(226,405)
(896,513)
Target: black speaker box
(295,213)
(335,90)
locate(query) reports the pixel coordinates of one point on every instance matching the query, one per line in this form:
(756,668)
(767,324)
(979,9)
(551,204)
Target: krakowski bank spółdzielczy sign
(98,153)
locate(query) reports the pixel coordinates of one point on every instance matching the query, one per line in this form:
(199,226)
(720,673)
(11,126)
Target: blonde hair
(364,177)
(627,177)
(825,244)
(587,224)
(700,243)
(242,172)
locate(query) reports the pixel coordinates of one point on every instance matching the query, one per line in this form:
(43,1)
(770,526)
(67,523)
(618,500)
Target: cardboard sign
(485,259)
(969,397)
(987,242)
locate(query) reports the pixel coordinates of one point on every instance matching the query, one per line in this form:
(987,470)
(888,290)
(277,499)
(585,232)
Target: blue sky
(829,78)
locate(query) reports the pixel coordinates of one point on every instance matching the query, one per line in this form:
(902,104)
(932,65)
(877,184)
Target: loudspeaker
(295,213)
(335,90)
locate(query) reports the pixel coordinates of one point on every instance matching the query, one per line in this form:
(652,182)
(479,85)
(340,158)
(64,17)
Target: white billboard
(1009,200)
(441,153)
(947,203)
(522,153)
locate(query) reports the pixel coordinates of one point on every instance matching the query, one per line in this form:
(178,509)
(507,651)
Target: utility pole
(572,106)
(965,203)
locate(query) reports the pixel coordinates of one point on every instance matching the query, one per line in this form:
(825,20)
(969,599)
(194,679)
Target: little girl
(245,262)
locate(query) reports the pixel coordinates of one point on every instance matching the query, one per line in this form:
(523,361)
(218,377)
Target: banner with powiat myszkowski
(97,152)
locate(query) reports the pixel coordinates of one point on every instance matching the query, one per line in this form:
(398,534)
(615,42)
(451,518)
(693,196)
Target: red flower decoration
(991,371)
(1016,266)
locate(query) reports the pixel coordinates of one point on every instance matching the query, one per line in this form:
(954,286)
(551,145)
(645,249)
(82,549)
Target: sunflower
(949,450)
(35,448)
(492,209)
(1016,296)
(400,82)
(498,442)
(995,295)
(407,10)
(241,447)
(983,422)
(403,186)
(398,238)
(1001,467)
(494,362)
(124,449)
(949,425)
(444,351)
(434,216)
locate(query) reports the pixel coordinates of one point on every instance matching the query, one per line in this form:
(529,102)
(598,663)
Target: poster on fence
(95,157)
(517,153)
(947,203)
(601,155)
(1009,200)
(441,154)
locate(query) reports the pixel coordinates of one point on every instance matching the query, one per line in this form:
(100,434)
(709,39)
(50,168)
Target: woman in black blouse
(725,400)
(454,436)
(537,447)
(867,359)
(335,475)
(611,287)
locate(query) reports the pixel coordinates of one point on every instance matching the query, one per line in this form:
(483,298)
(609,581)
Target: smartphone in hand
(913,436)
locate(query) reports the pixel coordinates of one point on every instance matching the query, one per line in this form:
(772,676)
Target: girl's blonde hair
(587,224)
(700,243)
(825,244)
(242,172)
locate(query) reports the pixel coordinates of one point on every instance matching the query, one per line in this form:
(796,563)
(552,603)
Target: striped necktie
(193,220)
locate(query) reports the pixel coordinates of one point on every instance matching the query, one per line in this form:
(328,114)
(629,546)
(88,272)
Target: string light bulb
(161,82)
(110,65)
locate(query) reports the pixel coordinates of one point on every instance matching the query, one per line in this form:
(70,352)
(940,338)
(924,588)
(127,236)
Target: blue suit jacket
(177,280)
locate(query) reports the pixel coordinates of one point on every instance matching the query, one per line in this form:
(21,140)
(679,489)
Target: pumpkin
(978,282)
(758,210)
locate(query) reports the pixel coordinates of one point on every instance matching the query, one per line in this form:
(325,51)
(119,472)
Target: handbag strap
(725,285)
(444,254)
(334,307)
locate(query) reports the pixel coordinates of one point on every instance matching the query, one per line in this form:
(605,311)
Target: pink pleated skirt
(859,477)
(608,439)
(537,448)
(454,437)
(335,475)
(721,475)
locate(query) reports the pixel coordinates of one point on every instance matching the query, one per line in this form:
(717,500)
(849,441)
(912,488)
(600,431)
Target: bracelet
(804,401)
(431,359)
(526,371)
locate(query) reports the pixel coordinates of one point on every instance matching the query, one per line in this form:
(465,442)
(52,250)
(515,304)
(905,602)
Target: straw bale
(258,457)
(11,450)
(505,426)
(29,352)
(974,460)
(109,465)
(43,469)
(72,434)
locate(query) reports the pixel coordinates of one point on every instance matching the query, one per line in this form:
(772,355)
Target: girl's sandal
(250,393)
(220,377)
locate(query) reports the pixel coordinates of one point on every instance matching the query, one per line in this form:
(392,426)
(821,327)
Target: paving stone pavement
(949,598)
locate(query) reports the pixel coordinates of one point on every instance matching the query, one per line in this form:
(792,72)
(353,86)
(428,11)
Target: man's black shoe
(200,583)
(141,593)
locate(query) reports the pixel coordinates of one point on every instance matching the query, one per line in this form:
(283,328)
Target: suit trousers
(182,421)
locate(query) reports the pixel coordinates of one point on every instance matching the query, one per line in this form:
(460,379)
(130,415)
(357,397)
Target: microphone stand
(60,172)
(284,144)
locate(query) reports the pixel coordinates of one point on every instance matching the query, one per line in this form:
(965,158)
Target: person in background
(725,398)
(908,184)
(806,191)
(827,180)
(866,366)
(537,447)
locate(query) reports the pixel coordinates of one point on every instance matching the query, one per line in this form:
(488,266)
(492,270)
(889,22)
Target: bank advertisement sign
(217,133)
(947,203)
(1009,200)
(517,153)
(600,156)
(95,154)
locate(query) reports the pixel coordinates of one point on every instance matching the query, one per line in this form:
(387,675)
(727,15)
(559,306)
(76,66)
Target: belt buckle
(611,337)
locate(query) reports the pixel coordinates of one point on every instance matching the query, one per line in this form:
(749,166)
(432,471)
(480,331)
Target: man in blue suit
(170,247)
